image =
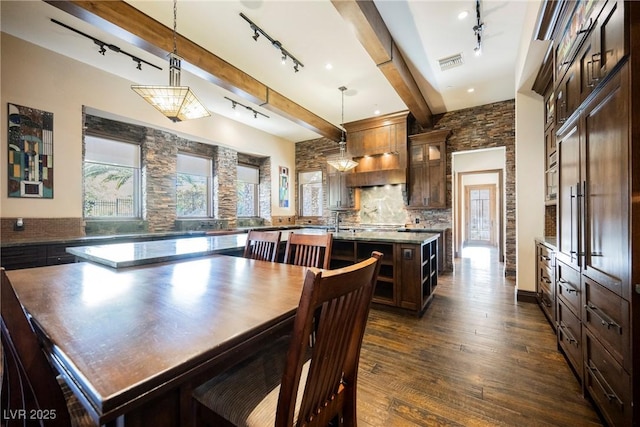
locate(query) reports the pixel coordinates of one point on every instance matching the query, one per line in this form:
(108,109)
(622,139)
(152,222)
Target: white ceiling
(316,34)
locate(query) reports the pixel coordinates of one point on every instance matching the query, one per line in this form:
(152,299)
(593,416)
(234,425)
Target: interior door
(480,214)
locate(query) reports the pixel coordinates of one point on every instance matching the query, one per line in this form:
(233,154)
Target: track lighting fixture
(176,102)
(477,30)
(255,113)
(102,46)
(257,31)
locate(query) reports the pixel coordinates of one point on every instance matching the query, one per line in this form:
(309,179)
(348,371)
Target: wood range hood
(379,145)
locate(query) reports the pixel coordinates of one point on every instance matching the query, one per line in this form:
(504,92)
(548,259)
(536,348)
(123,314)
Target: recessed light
(463,14)
(376,112)
(328,66)
(470,90)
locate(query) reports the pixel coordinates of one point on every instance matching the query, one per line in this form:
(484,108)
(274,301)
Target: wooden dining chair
(309,250)
(32,394)
(288,383)
(262,245)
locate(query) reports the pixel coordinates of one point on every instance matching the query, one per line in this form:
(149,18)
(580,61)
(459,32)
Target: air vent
(450,62)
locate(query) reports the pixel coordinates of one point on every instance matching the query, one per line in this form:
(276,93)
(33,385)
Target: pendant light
(344,162)
(176,102)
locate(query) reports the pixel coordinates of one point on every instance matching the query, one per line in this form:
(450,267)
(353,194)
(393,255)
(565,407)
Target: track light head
(256,34)
(284,58)
(295,67)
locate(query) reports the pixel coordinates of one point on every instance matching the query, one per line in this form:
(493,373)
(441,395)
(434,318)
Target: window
(247,189)
(192,186)
(111,179)
(310,193)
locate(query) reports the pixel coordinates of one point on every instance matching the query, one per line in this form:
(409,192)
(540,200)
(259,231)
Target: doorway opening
(479,201)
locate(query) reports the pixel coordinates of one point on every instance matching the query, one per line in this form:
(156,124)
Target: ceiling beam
(370,29)
(130,24)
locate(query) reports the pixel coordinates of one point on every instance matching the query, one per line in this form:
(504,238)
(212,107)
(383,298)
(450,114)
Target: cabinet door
(417,181)
(568,192)
(568,95)
(436,187)
(340,196)
(610,38)
(607,200)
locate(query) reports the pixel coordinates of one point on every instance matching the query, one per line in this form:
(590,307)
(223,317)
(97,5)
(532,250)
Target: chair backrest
(262,245)
(343,297)
(28,381)
(309,250)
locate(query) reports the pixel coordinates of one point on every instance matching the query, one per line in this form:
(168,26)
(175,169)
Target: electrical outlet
(417,220)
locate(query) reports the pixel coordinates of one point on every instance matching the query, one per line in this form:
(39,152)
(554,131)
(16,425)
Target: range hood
(374,178)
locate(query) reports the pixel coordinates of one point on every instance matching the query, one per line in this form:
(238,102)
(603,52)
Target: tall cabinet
(596,83)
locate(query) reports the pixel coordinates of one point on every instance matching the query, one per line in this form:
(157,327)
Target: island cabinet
(427,170)
(408,274)
(597,111)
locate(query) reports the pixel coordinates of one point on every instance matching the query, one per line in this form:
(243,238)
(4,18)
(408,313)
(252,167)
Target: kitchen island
(407,279)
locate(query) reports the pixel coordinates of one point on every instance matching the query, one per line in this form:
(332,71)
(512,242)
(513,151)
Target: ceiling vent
(451,62)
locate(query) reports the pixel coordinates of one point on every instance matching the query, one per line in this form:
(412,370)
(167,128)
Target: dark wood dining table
(132,343)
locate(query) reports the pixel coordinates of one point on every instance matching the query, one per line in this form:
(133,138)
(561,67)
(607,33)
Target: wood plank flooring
(476,358)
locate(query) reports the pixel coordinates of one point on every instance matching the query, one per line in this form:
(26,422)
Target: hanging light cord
(175,27)
(342,140)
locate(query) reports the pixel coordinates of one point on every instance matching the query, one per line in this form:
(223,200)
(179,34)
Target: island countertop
(119,255)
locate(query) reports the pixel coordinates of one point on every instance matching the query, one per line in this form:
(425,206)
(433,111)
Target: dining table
(132,343)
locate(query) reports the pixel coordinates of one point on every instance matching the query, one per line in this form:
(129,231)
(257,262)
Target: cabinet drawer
(545,299)
(545,256)
(569,336)
(568,287)
(607,382)
(607,317)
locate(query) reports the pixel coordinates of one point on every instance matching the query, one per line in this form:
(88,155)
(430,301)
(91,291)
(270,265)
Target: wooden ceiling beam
(123,20)
(373,34)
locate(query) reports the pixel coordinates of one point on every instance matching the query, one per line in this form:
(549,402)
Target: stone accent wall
(486,126)
(159,160)
(225,198)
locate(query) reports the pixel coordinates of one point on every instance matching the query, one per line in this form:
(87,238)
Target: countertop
(119,255)
(551,241)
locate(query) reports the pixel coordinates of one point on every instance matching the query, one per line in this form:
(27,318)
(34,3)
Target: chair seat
(247,394)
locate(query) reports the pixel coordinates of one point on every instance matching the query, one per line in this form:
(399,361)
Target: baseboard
(527,296)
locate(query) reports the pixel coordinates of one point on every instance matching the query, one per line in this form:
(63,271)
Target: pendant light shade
(176,102)
(342,163)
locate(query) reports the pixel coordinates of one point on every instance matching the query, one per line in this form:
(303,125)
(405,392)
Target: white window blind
(100,150)
(193,165)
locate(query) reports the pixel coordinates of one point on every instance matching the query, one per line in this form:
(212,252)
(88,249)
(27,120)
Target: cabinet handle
(608,391)
(567,336)
(595,58)
(545,258)
(605,320)
(568,286)
(596,254)
(546,279)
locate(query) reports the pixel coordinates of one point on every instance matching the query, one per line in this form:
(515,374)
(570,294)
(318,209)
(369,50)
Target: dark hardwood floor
(476,358)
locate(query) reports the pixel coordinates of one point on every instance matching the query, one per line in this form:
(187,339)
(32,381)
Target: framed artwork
(283,193)
(30,159)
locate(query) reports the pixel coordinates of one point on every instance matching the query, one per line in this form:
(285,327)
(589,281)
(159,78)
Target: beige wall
(38,78)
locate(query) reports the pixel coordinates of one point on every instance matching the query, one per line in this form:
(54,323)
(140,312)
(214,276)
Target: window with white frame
(310,193)
(193,188)
(247,190)
(111,178)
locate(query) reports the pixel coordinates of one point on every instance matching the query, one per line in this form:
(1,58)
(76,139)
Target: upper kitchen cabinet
(341,197)
(378,135)
(379,145)
(427,169)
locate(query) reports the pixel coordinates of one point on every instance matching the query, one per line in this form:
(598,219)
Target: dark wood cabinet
(597,108)
(408,273)
(378,135)
(545,280)
(341,196)
(427,169)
